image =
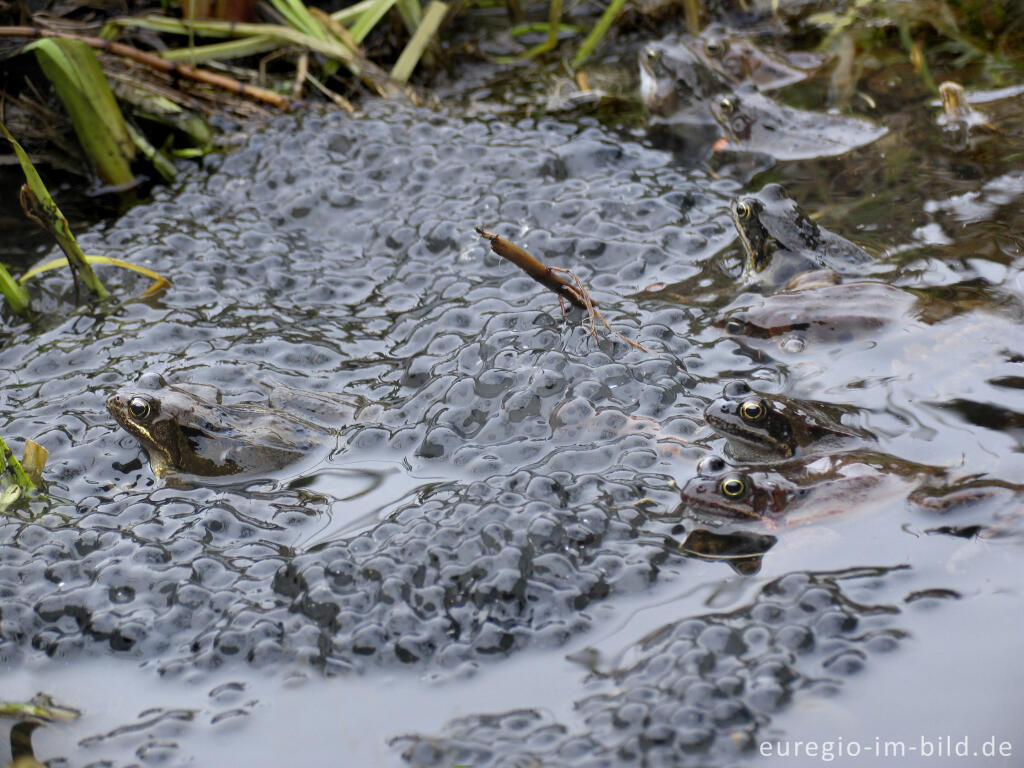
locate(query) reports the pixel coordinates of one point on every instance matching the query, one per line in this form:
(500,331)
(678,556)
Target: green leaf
(12,468)
(54,220)
(418,44)
(17,297)
(369,18)
(75,72)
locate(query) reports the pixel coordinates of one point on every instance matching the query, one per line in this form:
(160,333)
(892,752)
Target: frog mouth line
(713,511)
(751,260)
(768,442)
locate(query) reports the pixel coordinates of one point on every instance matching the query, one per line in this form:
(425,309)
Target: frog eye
(744,209)
(734,326)
(711,465)
(140,408)
(726,105)
(151,380)
(714,48)
(733,487)
(753,411)
(736,389)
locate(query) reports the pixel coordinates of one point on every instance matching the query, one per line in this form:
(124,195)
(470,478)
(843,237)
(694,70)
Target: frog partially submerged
(753,122)
(800,490)
(830,313)
(675,85)
(780,240)
(738,60)
(186,433)
(764,427)
(814,488)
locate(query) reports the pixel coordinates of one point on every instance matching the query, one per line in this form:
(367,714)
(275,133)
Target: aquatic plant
(76,74)
(41,208)
(977,33)
(39,205)
(16,482)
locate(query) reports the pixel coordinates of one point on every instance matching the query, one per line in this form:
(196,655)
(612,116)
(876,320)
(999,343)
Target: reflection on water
(505,496)
(358,497)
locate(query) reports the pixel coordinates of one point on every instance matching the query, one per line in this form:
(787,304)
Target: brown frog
(753,122)
(829,313)
(780,241)
(800,490)
(184,432)
(738,60)
(762,427)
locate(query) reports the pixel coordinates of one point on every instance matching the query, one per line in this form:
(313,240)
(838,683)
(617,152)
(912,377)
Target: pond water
(491,565)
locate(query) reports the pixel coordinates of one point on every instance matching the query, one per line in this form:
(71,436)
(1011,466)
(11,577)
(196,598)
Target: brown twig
(594,315)
(542,274)
(549,278)
(155,62)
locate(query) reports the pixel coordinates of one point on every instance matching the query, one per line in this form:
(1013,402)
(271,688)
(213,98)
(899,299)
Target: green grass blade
(76,74)
(54,220)
(279,33)
(159,281)
(44,711)
(205,27)
(414,49)
(298,16)
(369,18)
(353,12)
(17,297)
(553,26)
(230,49)
(411,13)
(156,158)
(597,34)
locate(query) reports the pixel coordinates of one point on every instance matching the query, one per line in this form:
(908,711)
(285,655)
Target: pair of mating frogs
(805,461)
(791,472)
(714,86)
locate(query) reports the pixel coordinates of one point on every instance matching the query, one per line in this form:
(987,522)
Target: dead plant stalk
(155,62)
(549,277)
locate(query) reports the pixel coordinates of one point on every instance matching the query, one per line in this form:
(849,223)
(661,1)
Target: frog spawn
(696,692)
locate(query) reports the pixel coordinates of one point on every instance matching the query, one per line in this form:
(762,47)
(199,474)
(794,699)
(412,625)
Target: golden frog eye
(744,209)
(753,411)
(714,48)
(725,104)
(733,487)
(140,408)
